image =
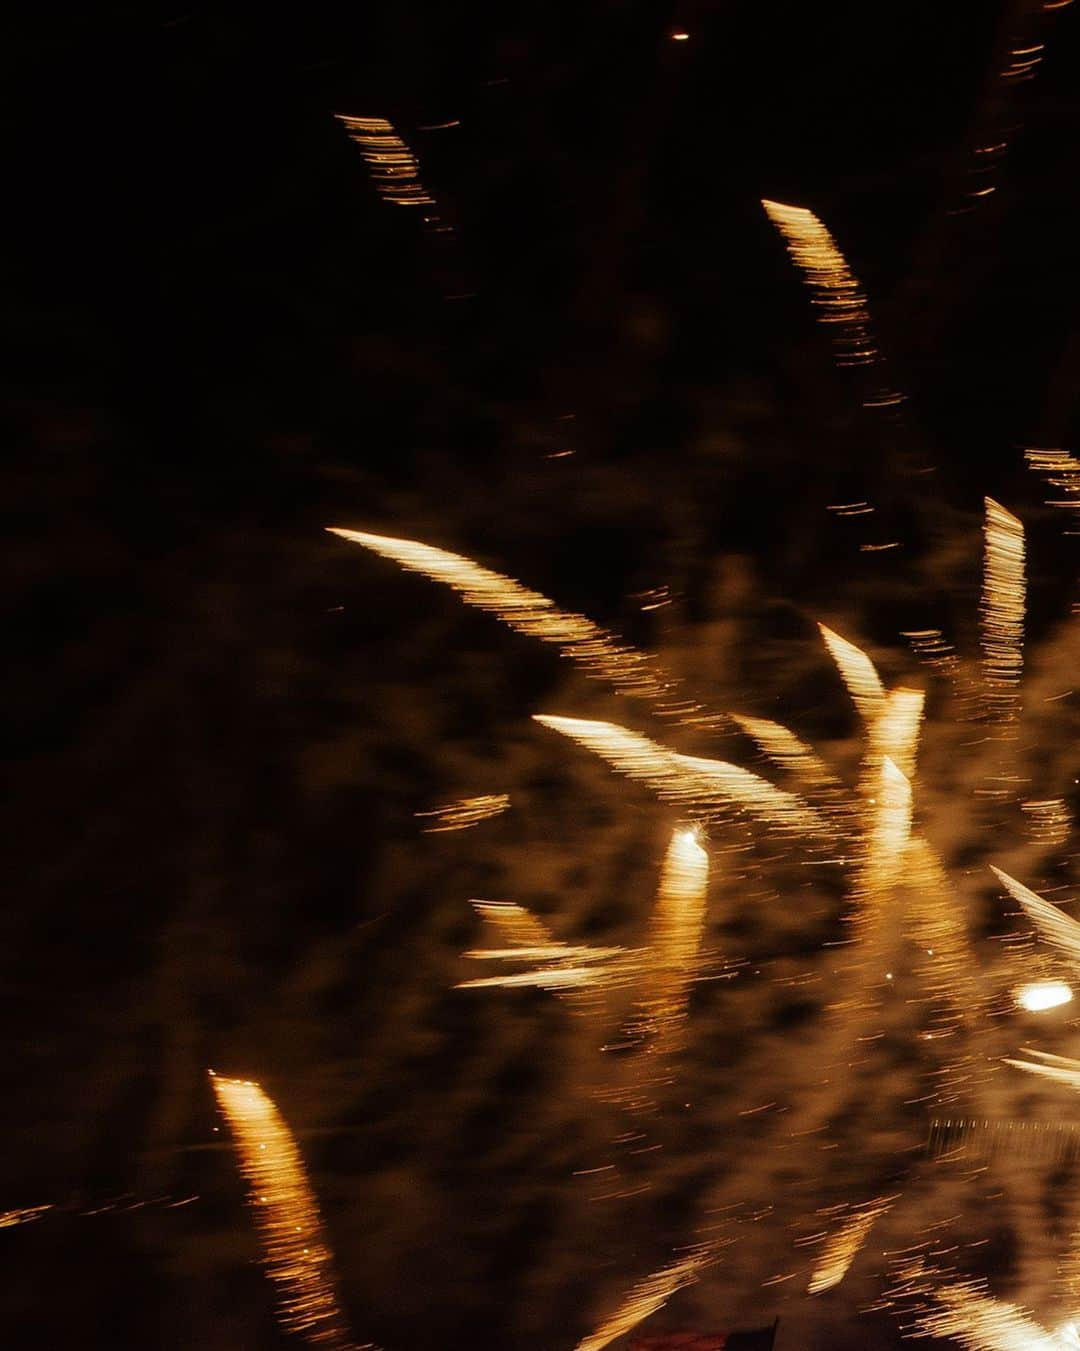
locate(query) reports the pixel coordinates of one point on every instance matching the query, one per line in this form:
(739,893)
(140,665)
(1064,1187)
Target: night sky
(599,372)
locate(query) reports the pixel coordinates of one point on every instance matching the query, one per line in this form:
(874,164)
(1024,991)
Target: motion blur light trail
(648,1296)
(295,1251)
(597,651)
(394,168)
(468,811)
(1004,590)
(1052,924)
(840,1249)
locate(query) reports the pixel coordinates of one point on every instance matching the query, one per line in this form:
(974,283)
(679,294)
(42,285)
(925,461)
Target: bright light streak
(600,653)
(1002,610)
(787,750)
(963,1309)
(702,788)
(1052,924)
(895,731)
(675,932)
(394,168)
(1043,994)
(859,675)
(295,1251)
(1057,1068)
(10,1218)
(840,1249)
(468,811)
(647,1297)
(887,840)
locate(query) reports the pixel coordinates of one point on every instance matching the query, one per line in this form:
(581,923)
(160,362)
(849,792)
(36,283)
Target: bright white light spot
(1043,994)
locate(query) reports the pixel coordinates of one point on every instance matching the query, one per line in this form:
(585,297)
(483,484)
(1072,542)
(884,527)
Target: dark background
(217,339)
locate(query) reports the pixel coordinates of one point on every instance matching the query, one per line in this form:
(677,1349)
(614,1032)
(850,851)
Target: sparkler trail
(703,788)
(894,733)
(964,1309)
(1049,820)
(648,1297)
(597,651)
(834,289)
(787,750)
(1058,1068)
(295,1251)
(1053,924)
(394,168)
(10,1218)
(468,811)
(841,1249)
(1002,611)
(886,842)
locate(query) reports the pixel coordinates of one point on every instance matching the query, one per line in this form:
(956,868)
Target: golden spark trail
(1049,820)
(1053,924)
(963,1309)
(841,1248)
(703,788)
(1058,1068)
(10,1218)
(859,675)
(895,732)
(886,842)
(648,1297)
(468,811)
(519,927)
(1002,611)
(295,1251)
(787,750)
(1061,470)
(834,288)
(598,652)
(676,929)
(394,168)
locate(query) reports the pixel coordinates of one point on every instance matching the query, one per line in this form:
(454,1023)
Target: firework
(1002,611)
(394,168)
(677,925)
(788,751)
(466,812)
(597,651)
(964,1309)
(704,789)
(859,675)
(10,1218)
(295,1251)
(1061,470)
(840,1249)
(835,290)
(1053,924)
(647,1297)
(1058,1068)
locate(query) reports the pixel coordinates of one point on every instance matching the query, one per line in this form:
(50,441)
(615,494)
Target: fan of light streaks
(859,675)
(394,168)
(963,1309)
(597,651)
(648,1297)
(787,750)
(1053,924)
(468,811)
(296,1255)
(1002,610)
(1055,1067)
(840,1249)
(834,288)
(675,931)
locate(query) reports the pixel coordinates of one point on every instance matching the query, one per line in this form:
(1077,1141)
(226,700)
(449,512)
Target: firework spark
(965,1310)
(1053,924)
(466,812)
(840,1249)
(1061,470)
(704,789)
(1057,1068)
(1002,611)
(600,653)
(676,928)
(648,1297)
(10,1218)
(834,288)
(295,1251)
(859,675)
(788,751)
(394,168)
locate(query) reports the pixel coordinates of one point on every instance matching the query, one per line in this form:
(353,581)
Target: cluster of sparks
(1061,470)
(295,1251)
(835,290)
(468,811)
(394,168)
(873,827)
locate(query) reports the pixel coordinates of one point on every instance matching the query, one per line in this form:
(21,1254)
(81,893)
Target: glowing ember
(1043,994)
(296,1255)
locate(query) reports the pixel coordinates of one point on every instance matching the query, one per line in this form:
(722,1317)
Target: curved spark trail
(296,1254)
(648,1297)
(600,653)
